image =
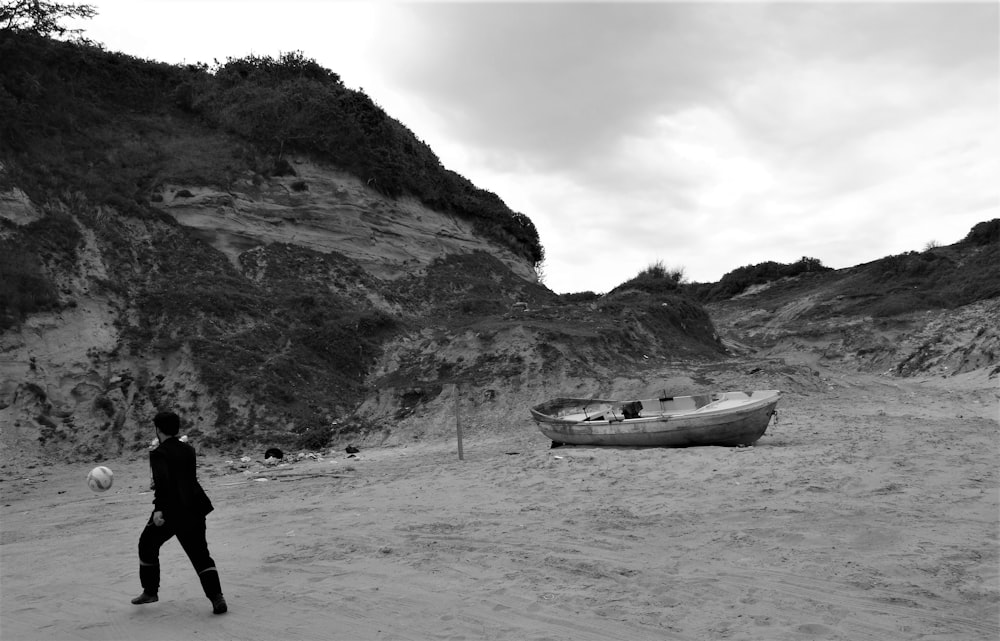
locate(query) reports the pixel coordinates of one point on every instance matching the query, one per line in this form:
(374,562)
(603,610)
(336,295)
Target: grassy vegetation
(293,104)
(939,278)
(659,317)
(29,255)
(655,279)
(23,288)
(984,233)
(742,278)
(298,349)
(89,120)
(460,286)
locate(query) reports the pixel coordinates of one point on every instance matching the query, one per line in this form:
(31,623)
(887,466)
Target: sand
(869,511)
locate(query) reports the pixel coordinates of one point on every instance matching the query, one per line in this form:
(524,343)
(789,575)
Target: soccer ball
(100,478)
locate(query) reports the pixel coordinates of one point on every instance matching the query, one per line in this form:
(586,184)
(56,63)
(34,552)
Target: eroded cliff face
(309,309)
(79,382)
(296,310)
(322,209)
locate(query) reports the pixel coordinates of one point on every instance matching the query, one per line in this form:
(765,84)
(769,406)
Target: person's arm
(161,476)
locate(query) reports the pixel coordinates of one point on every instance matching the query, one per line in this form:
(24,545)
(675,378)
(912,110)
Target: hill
(273,255)
(162,248)
(916,313)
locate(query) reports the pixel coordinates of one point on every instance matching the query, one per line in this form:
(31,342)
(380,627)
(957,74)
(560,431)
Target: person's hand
(158,518)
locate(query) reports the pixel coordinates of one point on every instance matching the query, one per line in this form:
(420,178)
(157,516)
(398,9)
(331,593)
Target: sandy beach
(868,511)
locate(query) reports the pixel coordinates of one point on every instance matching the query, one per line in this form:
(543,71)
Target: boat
(721,418)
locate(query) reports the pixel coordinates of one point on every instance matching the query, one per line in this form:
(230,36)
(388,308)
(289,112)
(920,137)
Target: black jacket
(176,491)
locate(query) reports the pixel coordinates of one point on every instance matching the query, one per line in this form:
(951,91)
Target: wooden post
(458,426)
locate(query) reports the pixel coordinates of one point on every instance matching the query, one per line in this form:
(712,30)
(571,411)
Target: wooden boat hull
(726,419)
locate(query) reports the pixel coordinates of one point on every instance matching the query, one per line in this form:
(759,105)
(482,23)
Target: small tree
(42,18)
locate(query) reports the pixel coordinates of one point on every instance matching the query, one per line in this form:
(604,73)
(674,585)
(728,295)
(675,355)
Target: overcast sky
(706,136)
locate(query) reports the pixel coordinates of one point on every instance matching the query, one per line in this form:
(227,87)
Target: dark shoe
(219,605)
(145,597)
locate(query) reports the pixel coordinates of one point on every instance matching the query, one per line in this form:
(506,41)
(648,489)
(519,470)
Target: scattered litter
(261,479)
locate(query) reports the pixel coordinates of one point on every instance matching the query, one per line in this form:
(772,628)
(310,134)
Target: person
(180,506)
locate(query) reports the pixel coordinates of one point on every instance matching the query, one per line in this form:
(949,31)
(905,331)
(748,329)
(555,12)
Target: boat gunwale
(750,405)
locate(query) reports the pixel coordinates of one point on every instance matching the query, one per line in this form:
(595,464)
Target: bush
(66,105)
(316,438)
(984,233)
(579,297)
(104,404)
(738,280)
(23,288)
(293,104)
(655,279)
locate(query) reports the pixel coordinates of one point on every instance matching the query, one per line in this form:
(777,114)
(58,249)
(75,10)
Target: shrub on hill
(984,233)
(655,279)
(80,118)
(23,288)
(28,257)
(943,277)
(468,285)
(738,280)
(657,301)
(579,297)
(293,104)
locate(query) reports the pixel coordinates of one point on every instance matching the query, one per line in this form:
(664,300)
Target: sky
(700,136)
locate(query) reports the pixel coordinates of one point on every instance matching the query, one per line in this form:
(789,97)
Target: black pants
(191,536)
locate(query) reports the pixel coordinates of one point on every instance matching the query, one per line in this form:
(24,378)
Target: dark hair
(168,423)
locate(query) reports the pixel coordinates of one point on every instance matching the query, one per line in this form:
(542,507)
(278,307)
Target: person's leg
(150,541)
(192,539)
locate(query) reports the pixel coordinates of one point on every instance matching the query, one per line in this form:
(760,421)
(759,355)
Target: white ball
(100,478)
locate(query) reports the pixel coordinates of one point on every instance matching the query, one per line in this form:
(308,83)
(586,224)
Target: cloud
(563,80)
(712,134)
(706,135)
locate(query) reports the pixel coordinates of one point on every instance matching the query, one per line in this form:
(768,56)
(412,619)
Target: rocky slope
(474,337)
(298,310)
(941,342)
(325,210)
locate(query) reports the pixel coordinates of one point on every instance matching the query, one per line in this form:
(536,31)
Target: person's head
(167,423)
